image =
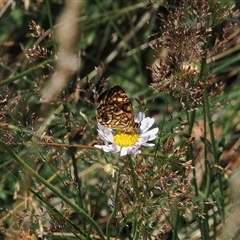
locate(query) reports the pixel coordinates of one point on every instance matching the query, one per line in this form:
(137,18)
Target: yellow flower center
(125,139)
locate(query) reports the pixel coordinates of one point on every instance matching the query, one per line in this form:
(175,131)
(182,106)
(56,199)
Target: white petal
(108,148)
(105,148)
(144,139)
(116,149)
(139,117)
(98,146)
(110,138)
(123,151)
(104,133)
(151,132)
(146,124)
(148,144)
(134,150)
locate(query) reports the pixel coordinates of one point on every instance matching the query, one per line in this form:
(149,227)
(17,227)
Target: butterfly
(116,112)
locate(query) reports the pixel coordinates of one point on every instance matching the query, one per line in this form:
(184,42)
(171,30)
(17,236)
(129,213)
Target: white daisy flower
(128,142)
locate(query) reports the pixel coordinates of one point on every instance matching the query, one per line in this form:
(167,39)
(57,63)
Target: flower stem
(115,200)
(133,175)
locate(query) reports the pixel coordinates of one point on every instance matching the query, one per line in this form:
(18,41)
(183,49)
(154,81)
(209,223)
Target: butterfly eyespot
(116,110)
(106,118)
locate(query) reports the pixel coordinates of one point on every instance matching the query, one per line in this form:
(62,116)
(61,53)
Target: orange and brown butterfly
(117,112)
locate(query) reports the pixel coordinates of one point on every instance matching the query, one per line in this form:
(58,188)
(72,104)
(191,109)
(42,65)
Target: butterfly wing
(117,111)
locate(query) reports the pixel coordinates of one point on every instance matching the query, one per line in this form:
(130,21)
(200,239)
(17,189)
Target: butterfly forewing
(117,111)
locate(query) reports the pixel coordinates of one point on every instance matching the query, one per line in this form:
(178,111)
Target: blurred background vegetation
(178,61)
